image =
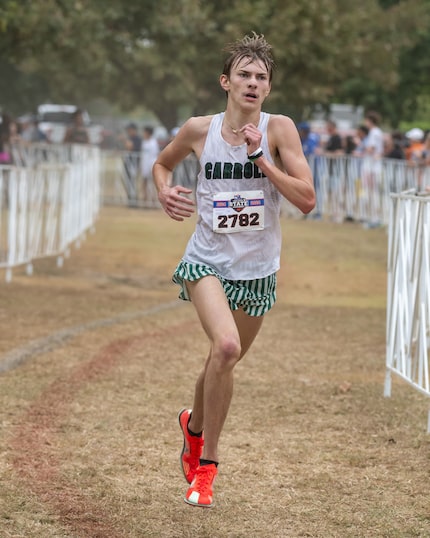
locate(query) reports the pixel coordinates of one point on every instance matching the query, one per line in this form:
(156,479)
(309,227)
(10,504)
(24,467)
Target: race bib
(238,211)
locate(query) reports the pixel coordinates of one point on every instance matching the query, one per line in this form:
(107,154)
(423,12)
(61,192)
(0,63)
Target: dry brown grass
(90,442)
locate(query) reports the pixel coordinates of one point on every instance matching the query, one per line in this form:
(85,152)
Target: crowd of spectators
(26,130)
(368,139)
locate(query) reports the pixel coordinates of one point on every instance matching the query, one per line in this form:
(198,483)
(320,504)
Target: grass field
(106,356)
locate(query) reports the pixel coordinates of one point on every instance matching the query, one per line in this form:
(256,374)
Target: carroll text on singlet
(228,170)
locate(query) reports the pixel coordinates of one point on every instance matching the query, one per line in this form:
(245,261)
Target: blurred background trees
(167,56)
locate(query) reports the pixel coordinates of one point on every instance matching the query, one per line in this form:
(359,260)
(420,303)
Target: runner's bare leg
(230,334)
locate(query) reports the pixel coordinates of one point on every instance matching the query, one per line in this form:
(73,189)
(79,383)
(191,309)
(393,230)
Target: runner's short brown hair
(254,47)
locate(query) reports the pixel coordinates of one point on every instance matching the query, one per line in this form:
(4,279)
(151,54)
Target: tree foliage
(167,55)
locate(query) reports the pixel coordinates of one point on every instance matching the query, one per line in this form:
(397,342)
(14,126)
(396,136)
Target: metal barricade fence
(123,183)
(47,204)
(408,292)
(358,188)
(347,187)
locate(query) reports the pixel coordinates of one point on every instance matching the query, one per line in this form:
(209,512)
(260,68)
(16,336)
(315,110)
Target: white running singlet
(238,230)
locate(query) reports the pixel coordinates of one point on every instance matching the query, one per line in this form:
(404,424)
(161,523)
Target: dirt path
(104,357)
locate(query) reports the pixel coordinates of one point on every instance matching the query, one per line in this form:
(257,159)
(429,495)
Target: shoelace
(196,444)
(204,478)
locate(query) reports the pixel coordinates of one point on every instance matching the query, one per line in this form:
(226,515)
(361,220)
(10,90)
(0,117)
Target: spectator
(310,141)
(335,184)
(77,133)
(350,144)
(5,153)
(30,131)
(132,143)
(311,149)
(371,171)
(361,140)
(149,154)
(375,139)
(416,146)
(333,145)
(395,149)
(14,135)
(426,150)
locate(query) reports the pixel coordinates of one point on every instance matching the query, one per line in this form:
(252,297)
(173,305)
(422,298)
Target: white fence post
(408,292)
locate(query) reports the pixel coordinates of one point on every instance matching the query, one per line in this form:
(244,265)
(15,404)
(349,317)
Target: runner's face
(248,83)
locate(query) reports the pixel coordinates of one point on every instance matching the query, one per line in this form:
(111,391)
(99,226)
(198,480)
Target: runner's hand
(174,203)
(252,137)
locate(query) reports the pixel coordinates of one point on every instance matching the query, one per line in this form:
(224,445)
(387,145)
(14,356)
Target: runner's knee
(226,351)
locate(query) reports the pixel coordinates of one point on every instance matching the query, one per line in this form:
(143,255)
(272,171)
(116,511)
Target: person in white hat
(416,146)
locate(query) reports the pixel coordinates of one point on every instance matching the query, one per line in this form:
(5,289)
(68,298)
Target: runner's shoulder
(281,122)
(197,126)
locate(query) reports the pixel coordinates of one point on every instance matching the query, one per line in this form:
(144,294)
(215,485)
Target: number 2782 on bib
(238,211)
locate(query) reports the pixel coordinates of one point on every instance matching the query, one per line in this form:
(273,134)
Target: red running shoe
(192,449)
(200,492)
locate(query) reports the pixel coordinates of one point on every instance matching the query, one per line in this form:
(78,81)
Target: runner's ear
(224,82)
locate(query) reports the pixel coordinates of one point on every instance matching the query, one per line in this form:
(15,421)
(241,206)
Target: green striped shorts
(256,297)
